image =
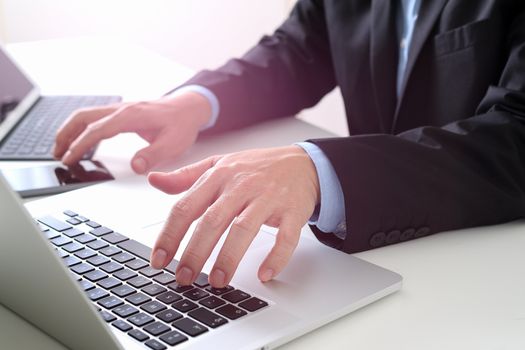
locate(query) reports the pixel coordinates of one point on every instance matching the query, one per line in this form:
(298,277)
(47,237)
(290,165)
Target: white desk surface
(462,290)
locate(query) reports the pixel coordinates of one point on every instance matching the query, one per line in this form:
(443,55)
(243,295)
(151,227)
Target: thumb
(181,179)
(148,157)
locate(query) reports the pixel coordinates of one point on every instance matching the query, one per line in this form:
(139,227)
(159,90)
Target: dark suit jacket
(448,154)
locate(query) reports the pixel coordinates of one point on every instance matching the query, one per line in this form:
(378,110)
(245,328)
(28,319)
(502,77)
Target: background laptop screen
(14,86)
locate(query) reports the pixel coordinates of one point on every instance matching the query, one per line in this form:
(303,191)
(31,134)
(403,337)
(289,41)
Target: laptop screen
(14,86)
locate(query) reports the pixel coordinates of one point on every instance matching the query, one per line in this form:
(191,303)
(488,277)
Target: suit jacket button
(378,239)
(407,234)
(422,231)
(393,237)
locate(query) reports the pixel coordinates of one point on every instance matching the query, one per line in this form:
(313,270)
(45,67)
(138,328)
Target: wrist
(311,171)
(192,104)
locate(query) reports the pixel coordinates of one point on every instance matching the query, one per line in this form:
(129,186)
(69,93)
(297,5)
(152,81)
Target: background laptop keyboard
(34,136)
(147,304)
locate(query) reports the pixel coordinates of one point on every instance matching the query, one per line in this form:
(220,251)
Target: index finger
(76,124)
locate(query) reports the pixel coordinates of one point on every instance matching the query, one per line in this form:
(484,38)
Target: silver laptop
(81,275)
(29,121)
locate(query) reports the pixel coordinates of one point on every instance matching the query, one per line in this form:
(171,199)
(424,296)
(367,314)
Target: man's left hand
(277,187)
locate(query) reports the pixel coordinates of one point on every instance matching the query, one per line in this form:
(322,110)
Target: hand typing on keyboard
(169,124)
(277,187)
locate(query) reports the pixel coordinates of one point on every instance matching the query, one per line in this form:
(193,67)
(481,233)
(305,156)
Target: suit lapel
(428,14)
(384,57)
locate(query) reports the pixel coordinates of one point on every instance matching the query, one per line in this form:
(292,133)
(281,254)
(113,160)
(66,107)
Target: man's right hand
(170,125)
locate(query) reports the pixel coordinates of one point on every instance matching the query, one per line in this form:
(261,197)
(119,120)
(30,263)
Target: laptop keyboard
(147,304)
(34,136)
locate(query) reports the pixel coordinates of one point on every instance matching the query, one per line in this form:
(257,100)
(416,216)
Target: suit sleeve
(431,179)
(284,73)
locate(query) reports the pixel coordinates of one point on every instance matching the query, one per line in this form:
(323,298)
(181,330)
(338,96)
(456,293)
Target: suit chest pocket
(462,38)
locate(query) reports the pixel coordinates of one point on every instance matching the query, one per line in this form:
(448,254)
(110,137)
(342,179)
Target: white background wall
(197,33)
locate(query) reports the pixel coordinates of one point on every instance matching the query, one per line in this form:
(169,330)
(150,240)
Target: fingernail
(184,276)
(218,278)
(267,275)
(159,257)
(139,165)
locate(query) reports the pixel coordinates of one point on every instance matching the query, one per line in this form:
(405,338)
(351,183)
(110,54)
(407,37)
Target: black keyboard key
(139,281)
(122,325)
(125,310)
(61,253)
(110,302)
(153,307)
(196,294)
(86,285)
(92,224)
(72,247)
(114,237)
(173,338)
(201,280)
(136,264)
(231,311)
(150,271)
(50,234)
(253,304)
(212,302)
(155,345)
(179,288)
(153,289)
(141,319)
(138,334)
(184,305)
(124,274)
(109,283)
(136,248)
(55,224)
(164,278)
(106,316)
(207,317)
(110,251)
(168,316)
(236,296)
(85,253)
(156,328)
(172,266)
(72,232)
(71,261)
(169,297)
(95,275)
(96,294)
(98,244)
(85,238)
(100,231)
(123,291)
(98,260)
(82,268)
(60,241)
(138,298)
(73,221)
(112,267)
(190,327)
(122,257)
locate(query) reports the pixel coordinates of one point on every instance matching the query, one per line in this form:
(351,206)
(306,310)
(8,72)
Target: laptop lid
(17,93)
(36,285)
(319,285)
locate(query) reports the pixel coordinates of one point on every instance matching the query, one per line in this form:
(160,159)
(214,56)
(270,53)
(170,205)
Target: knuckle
(243,224)
(181,209)
(191,257)
(287,240)
(213,219)
(227,260)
